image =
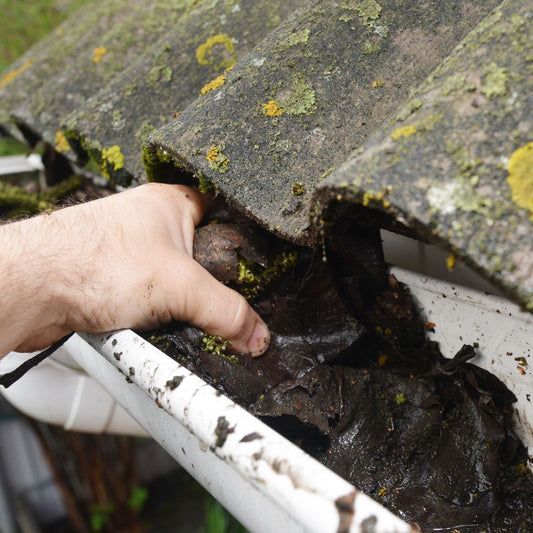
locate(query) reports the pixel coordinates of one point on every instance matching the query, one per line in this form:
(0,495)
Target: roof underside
(295,110)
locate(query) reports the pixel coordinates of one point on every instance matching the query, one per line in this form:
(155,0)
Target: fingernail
(259,341)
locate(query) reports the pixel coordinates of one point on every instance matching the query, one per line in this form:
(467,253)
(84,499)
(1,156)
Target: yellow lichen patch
(10,76)
(377,83)
(61,143)
(98,53)
(271,109)
(217,159)
(382,359)
(298,188)
(213,153)
(112,157)
(213,84)
(520,176)
(218,50)
(404,131)
(450,262)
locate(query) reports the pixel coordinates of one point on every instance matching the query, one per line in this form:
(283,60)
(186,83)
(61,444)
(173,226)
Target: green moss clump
(214,344)
(254,279)
(400,398)
(62,189)
(204,185)
(16,202)
(158,164)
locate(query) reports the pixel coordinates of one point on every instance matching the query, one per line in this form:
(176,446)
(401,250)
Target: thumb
(219,310)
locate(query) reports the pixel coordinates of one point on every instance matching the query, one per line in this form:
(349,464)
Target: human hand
(120,262)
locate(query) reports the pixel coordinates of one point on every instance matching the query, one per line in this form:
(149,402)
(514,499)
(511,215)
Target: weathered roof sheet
(306,97)
(187,60)
(456,164)
(315,92)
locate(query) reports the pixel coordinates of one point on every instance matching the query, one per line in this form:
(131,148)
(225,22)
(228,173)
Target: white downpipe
(62,395)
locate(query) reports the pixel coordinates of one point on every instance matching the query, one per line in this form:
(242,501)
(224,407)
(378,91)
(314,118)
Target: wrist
(32,312)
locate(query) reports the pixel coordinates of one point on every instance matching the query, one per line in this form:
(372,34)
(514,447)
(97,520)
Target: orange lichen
(61,143)
(98,53)
(213,153)
(217,159)
(520,177)
(10,76)
(213,84)
(271,109)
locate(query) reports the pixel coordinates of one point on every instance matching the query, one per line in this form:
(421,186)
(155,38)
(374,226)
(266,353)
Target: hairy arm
(121,262)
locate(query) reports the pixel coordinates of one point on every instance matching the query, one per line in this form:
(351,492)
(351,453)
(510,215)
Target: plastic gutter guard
(265,481)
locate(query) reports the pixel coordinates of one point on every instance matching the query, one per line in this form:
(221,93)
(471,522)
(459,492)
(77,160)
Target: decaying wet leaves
(351,378)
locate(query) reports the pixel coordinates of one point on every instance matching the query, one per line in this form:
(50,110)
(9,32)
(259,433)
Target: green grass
(12,147)
(23,23)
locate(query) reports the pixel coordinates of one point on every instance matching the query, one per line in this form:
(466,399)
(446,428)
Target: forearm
(30,283)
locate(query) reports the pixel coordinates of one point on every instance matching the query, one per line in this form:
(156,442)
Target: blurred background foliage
(23,23)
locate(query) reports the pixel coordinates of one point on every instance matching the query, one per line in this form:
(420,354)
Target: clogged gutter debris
(351,378)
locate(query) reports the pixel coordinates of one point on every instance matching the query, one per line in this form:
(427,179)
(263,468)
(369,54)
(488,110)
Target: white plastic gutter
(264,480)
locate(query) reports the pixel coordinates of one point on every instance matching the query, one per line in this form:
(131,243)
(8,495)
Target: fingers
(219,310)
